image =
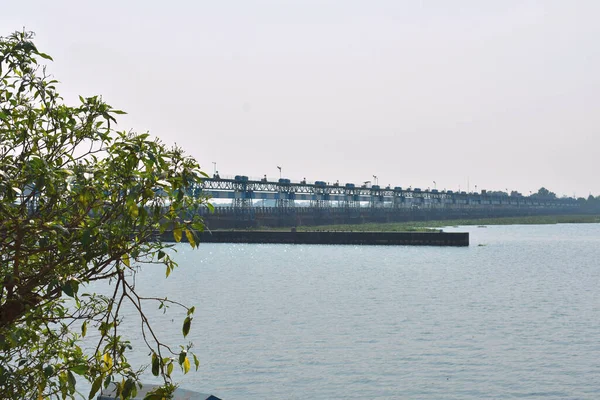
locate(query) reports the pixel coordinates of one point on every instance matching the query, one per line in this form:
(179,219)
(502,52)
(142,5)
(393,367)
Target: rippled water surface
(515,315)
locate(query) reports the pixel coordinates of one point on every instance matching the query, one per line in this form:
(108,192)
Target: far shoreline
(424,226)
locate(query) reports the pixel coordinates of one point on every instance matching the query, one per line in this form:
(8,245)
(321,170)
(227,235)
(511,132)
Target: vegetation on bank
(432,226)
(367,227)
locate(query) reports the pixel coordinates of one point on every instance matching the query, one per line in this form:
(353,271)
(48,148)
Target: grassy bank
(368,227)
(420,226)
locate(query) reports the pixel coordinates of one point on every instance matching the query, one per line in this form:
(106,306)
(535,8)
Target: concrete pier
(324,237)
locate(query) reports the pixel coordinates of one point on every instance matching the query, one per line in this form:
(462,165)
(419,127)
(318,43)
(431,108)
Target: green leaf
(95,387)
(70,288)
(80,369)
(128,388)
(161,254)
(84,328)
(48,371)
(155,364)
(125,259)
(154,396)
(46,56)
(170,369)
(186,326)
(196,362)
(86,238)
(177,234)
(198,226)
(71,379)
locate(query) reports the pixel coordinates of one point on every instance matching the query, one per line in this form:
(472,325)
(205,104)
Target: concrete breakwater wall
(229,218)
(353,238)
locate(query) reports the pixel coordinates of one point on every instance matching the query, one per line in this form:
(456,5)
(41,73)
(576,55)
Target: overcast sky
(499,94)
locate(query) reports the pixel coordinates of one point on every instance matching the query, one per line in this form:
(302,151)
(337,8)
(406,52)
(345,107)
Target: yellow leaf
(190,237)
(133,210)
(186,365)
(107,361)
(177,234)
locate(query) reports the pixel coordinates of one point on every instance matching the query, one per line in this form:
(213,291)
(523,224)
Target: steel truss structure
(320,195)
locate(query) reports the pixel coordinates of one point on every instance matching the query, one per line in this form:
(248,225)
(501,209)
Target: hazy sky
(504,94)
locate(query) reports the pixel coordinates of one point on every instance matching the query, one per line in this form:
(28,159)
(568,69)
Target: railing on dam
(289,195)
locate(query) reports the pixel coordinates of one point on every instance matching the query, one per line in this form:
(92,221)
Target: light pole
(279,168)
(375,179)
(434,185)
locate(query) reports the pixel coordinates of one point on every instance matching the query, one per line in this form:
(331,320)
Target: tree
(80,202)
(545,193)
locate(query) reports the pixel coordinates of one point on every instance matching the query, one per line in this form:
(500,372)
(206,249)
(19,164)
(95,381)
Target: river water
(515,315)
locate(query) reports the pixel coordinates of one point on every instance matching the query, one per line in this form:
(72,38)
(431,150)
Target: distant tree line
(589,204)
